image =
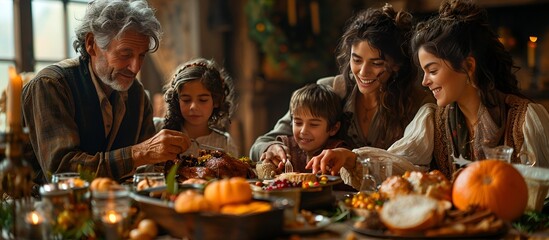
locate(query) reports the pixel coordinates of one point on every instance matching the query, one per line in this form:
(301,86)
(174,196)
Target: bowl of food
(537,180)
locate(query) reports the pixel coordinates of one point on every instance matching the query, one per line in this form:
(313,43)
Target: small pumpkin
(491,184)
(228,191)
(191,201)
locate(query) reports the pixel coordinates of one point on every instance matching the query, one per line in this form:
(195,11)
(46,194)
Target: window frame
(25,59)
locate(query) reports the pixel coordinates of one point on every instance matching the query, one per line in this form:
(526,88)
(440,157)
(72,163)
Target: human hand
(276,154)
(331,161)
(163,146)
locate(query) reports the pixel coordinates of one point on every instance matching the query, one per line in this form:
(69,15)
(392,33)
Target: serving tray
(209,225)
(387,234)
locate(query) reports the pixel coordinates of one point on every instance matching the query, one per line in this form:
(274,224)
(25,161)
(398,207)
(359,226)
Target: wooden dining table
(343,229)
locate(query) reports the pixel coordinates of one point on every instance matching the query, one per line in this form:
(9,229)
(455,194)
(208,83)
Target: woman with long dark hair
(377,84)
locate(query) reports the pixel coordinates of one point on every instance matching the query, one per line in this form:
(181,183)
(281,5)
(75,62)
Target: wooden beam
(24,47)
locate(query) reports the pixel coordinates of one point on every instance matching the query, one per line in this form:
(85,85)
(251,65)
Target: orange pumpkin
(191,201)
(228,191)
(491,184)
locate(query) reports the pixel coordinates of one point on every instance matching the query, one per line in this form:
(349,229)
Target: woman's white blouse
(414,151)
(536,133)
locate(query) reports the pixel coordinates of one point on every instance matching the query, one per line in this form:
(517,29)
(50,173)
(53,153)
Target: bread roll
(433,184)
(395,186)
(265,170)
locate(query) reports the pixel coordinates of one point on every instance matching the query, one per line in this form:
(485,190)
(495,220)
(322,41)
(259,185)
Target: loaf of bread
(413,213)
(298,177)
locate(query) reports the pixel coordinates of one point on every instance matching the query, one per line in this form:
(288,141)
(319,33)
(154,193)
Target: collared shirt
(49,112)
(111,119)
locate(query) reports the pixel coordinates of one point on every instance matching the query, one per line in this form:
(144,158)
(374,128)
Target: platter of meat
(210,164)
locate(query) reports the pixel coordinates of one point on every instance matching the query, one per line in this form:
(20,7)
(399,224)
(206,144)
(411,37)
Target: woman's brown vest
(513,135)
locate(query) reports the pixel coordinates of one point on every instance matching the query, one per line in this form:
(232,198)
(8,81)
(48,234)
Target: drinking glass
(381,169)
(369,183)
(502,153)
(148,179)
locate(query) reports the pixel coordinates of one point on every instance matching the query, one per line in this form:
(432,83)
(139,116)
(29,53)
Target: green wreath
(300,59)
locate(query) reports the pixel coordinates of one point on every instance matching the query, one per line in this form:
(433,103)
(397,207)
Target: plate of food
(306,223)
(418,216)
(308,181)
(450,232)
(315,191)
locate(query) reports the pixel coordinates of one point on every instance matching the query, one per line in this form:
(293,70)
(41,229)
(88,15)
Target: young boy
(315,110)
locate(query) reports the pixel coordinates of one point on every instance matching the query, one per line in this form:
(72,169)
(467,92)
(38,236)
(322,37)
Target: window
(7,44)
(53,33)
(53,30)
(48,32)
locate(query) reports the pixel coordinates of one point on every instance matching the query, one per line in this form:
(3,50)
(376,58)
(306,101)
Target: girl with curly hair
(200,103)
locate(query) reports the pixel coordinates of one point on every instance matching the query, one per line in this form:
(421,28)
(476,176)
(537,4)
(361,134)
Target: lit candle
(315,17)
(13,111)
(34,220)
(292,13)
(532,51)
(113,224)
(112,217)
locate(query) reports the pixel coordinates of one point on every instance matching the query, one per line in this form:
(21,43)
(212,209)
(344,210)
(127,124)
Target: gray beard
(114,85)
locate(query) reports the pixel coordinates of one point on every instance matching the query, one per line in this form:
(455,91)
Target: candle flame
(34,218)
(113,217)
(12,72)
(533,38)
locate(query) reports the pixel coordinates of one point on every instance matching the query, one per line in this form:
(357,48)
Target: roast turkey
(210,164)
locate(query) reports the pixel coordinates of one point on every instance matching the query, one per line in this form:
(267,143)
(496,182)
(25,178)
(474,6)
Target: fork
(202,146)
(288,166)
(205,146)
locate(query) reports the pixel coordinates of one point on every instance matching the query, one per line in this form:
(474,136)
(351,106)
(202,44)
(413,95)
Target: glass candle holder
(56,205)
(66,177)
(146,180)
(29,221)
(113,224)
(35,225)
(111,210)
